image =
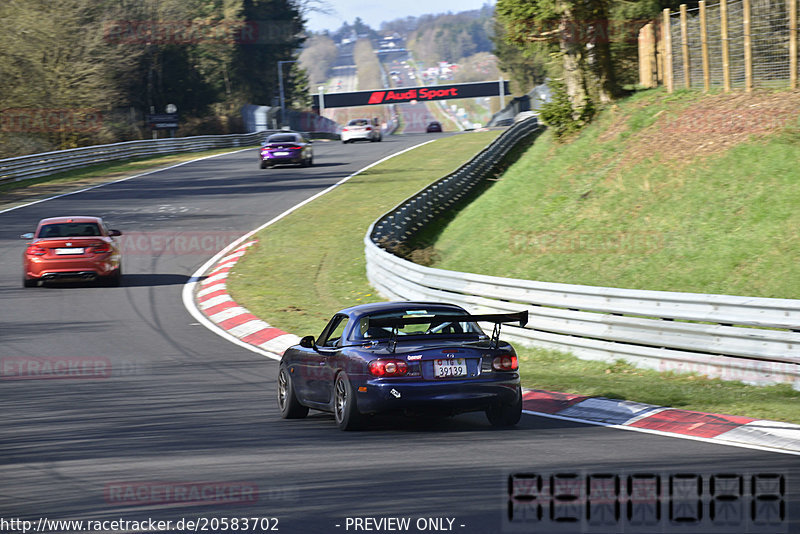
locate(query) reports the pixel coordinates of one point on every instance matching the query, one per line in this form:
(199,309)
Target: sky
(376,11)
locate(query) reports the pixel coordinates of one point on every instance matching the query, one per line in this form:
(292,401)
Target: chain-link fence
(758,58)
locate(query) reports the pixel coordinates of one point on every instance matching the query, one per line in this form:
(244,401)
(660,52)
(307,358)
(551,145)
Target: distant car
(434,126)
(361,130)
(403,357)
(72,248)
(288,147)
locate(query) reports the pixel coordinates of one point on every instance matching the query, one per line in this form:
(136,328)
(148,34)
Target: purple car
(286,147)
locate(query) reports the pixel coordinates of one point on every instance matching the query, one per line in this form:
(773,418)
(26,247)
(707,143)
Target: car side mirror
(307,342)
(114,233)
(29,235)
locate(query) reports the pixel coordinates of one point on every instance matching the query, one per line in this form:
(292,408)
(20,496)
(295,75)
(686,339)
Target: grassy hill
(680,192)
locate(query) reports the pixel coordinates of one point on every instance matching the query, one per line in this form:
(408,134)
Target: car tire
(114,279)
(264,165)
(29,282)
(505,415)
(345,406)
(345,142)
(288,404)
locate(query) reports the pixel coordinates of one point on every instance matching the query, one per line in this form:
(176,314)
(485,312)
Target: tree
(577,31)
(317,58)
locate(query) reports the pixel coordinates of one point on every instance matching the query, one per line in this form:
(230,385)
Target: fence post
(793,44)
(648,71)
(726,58)
(748,47)
(704,45)
(687,76)
(668,49)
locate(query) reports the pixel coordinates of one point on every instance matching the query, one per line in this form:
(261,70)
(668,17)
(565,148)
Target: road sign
(163,121)
(408,94)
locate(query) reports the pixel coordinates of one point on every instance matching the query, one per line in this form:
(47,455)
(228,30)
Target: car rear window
(69,230)
(358,122)
(282,138)
(437,326)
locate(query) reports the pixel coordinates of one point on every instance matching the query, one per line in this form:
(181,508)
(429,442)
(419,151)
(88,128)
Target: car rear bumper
(450,397)
(275,160)
(62,269)
(365,136)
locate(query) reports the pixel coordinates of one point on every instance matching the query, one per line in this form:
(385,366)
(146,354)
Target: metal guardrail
(755,340)
(412,215)
(45,164)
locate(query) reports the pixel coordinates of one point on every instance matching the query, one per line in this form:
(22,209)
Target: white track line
(120,180)
(188,288)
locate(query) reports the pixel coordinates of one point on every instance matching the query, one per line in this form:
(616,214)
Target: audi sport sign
(409,94)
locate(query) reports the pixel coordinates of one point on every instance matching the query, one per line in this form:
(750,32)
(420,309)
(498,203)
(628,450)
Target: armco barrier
(37,165)
(755,340)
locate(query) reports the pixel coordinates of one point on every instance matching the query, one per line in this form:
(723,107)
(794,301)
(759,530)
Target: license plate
(280,153)
(450,367)
(68,251)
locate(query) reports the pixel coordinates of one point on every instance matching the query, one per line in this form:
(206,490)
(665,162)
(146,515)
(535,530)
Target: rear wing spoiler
(497,318)
(395,323)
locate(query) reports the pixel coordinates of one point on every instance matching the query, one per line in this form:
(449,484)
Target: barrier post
(687,76)
(726,57)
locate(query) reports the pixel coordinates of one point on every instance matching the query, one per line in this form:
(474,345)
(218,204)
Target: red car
(72,248)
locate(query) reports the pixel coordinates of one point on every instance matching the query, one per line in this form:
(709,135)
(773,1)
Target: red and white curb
(219,307)
(730,429)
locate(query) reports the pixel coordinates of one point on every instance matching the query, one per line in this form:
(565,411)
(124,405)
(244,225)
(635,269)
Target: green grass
(576,213)
(103,172)
(311,264)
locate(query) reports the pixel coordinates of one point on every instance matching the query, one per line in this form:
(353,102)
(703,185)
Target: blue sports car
(404,357)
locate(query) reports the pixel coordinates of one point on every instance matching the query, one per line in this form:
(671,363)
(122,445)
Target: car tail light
(384,368)
(369,128)
(295,147)
(345,129)
(506,362)
(102,248)
(36,250)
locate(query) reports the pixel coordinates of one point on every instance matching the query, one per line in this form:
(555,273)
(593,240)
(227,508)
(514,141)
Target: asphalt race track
(161,419)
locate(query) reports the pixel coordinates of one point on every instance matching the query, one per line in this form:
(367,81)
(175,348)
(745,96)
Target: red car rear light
(506,362)
(102,248)
(345,129)
(384,368)
(369,128)
(36,250)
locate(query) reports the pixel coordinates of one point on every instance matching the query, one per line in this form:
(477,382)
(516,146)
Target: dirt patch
(712,125)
